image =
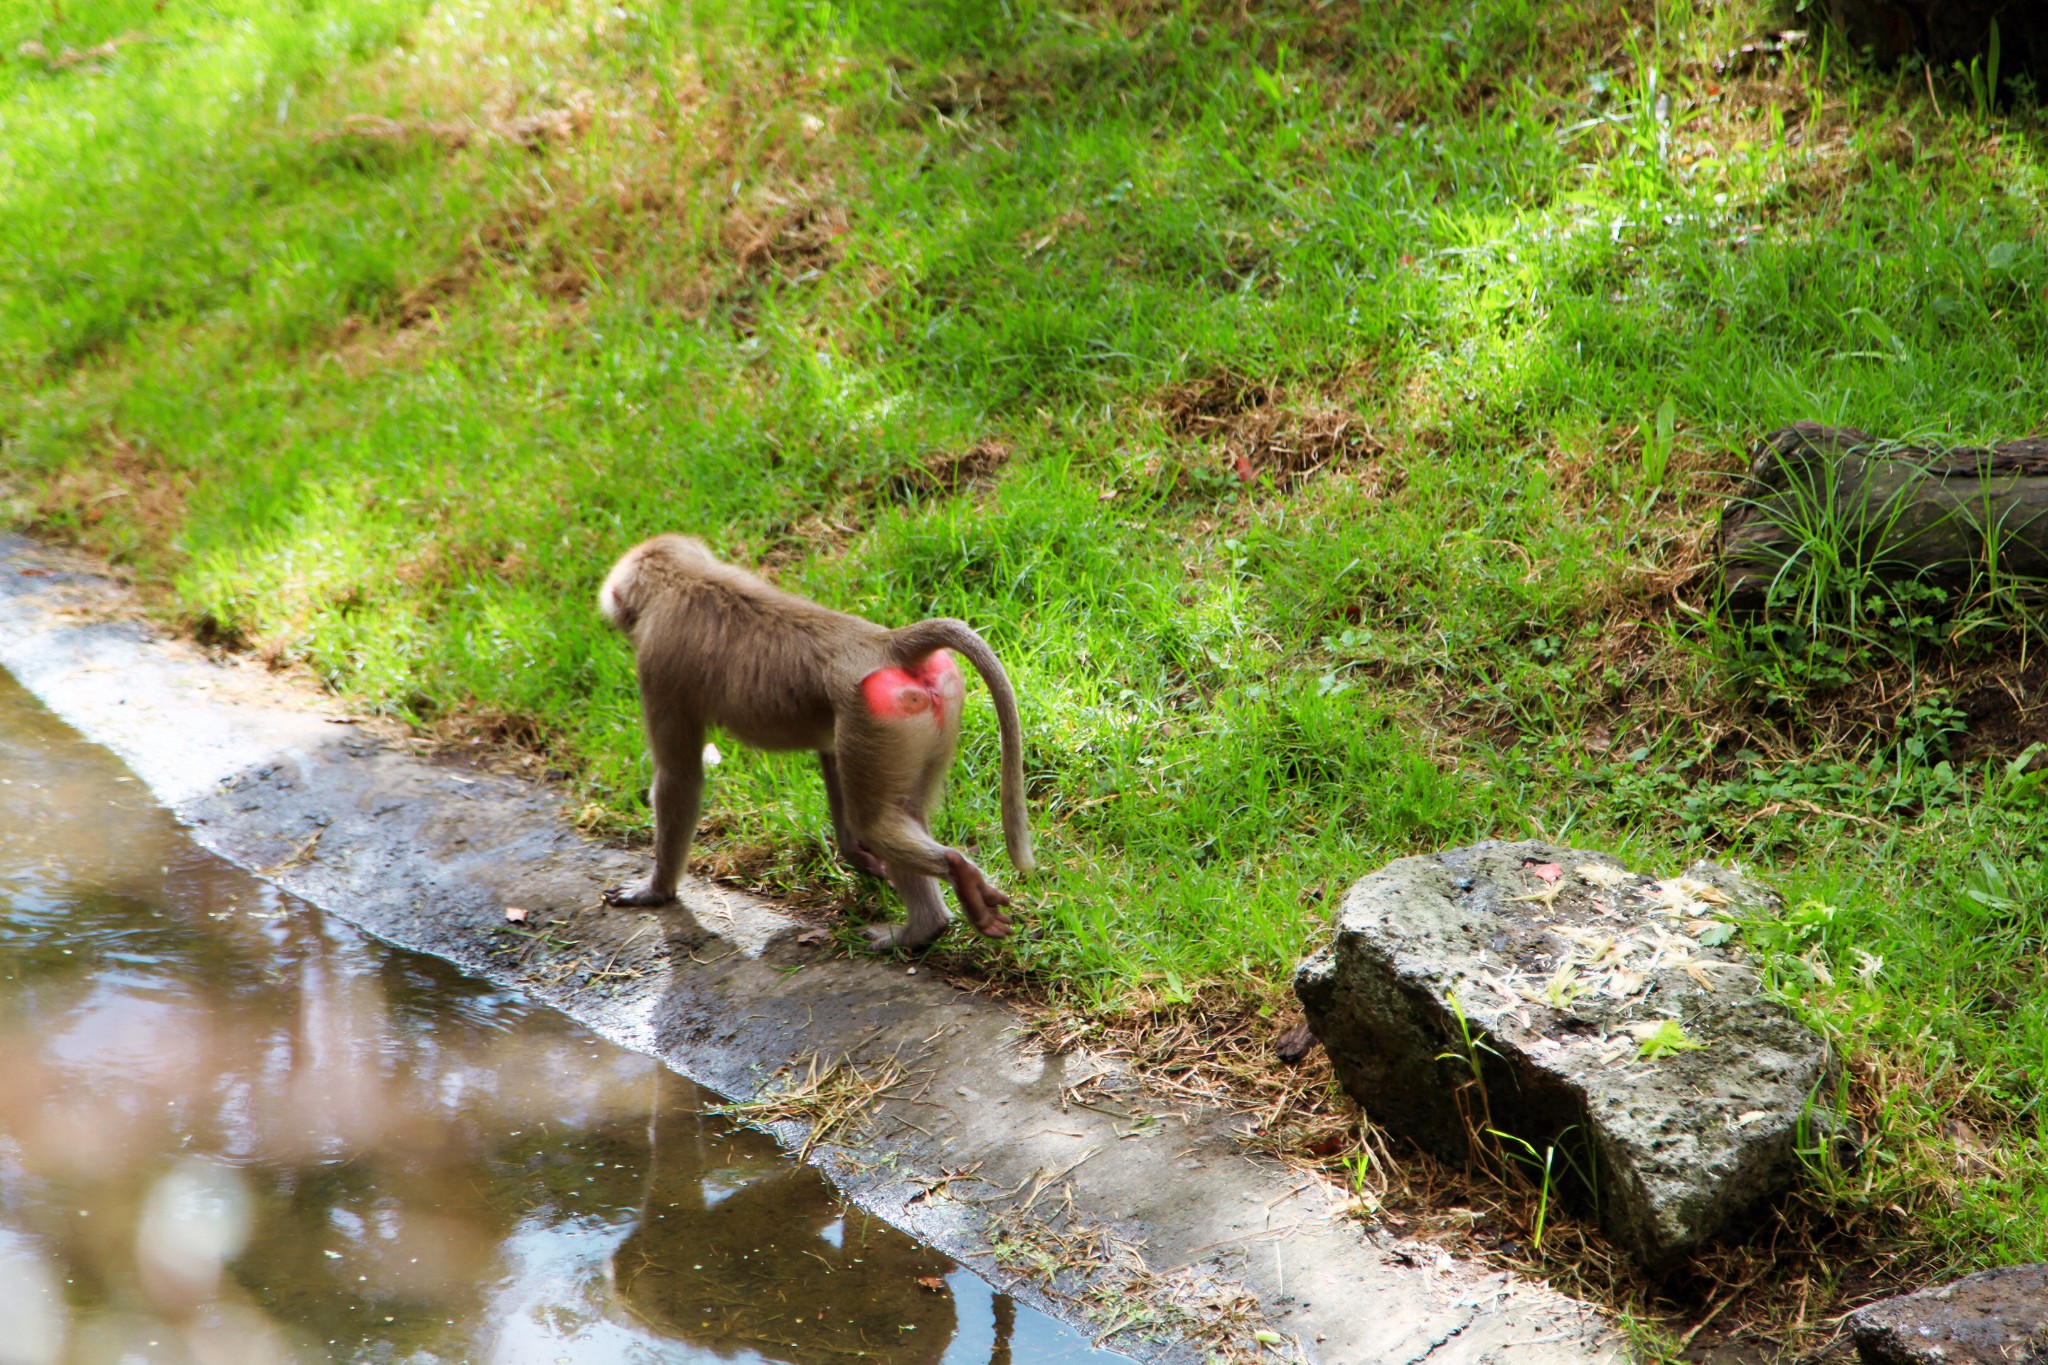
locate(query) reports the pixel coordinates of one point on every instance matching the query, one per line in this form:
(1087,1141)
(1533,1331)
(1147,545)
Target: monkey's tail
(914,642)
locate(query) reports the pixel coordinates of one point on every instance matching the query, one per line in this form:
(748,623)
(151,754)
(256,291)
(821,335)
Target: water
(233,1130)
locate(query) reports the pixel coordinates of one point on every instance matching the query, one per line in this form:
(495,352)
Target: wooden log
(1955,517)
(1946,32)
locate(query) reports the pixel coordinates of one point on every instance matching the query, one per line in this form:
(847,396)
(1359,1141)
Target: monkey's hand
(978,898)
(644,896)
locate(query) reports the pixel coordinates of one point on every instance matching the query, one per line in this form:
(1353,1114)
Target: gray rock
(1999,1317)
(1608,1015)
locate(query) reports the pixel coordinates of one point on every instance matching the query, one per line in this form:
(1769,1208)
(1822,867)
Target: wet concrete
(1009,1160)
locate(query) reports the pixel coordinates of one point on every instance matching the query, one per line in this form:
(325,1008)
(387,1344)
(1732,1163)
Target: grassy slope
(371,330)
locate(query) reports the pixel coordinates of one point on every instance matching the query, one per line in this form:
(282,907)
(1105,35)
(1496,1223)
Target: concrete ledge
(976,1147)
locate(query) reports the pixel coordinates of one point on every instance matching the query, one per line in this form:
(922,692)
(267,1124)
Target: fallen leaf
(1623,982)
(35,573)
(1549,872)
(1266,1337)
(1243,466)
(931,1282)
(810,936)
(516,914)
(1692,888)
(1663,1039)
(1601,875)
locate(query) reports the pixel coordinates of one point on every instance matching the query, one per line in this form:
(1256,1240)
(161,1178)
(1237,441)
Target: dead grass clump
(1198,408)
(1214,1047)
(67,57)
(488,730)
(126,486)
(1258,435)
(939,474)
(812,534)
(834,1100)
(784,238)
(535,129)
(945,473)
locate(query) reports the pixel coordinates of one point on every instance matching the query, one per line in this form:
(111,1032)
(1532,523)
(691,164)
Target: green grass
(368,332)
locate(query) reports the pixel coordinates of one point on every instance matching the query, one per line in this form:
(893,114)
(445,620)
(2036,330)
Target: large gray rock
(1999,1317)
(1609,1016)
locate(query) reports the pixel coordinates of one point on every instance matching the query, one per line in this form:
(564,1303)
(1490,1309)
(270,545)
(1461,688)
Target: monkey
(715,645)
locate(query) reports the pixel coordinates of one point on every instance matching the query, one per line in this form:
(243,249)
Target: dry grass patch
(1255,432)
(127,495)
(835,1100)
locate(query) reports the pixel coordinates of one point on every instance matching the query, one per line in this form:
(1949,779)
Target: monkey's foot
(978,898)
(885,937)
(641,897)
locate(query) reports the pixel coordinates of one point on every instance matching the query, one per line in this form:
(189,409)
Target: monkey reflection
(738,1250)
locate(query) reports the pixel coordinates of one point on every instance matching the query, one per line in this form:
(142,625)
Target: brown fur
(715,645)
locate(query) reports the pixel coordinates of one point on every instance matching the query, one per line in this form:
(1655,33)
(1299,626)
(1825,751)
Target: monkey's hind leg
(927,917)
(677,796)
(850,847)
(978,896)
(909,850)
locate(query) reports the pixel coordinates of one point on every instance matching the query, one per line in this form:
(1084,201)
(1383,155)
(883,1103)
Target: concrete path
(1001,1156)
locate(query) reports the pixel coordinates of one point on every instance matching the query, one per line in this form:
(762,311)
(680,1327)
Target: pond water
(234,1130)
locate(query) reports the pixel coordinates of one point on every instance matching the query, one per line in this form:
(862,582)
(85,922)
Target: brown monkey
(714,645)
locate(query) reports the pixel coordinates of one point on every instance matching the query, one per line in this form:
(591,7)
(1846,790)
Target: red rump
(930,685)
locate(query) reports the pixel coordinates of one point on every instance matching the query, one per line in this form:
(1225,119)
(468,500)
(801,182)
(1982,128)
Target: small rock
(1998,1317)
(1608,1014)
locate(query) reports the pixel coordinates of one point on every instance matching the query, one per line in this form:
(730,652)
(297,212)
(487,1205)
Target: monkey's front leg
(678,794)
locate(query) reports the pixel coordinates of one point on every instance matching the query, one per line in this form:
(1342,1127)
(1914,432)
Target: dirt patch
(2006,706)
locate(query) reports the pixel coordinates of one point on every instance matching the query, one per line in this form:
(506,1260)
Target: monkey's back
(716,645)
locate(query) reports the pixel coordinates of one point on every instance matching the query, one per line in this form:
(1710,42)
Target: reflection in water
(234,1131)
(742,1251)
